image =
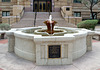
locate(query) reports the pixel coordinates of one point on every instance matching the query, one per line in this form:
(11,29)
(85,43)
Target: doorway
(42,6)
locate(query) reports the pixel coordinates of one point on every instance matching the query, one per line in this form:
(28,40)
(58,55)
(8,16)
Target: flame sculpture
(50,25)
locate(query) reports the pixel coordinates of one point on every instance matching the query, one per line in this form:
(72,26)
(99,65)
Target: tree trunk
(2,35)
(91,10)
(92,15)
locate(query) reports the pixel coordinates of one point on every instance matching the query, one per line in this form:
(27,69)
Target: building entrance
(42,6)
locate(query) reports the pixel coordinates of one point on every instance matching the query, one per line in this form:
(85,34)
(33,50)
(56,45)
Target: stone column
(89,43)
(11,41)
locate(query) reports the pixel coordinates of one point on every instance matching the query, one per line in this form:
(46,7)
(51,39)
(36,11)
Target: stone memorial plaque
(54,51)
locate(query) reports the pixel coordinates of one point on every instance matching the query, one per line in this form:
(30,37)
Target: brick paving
(1,69)
(3,41)
(95,41)
(98,69)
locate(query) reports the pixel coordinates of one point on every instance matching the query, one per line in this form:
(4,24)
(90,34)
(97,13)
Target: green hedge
(5,26)
(88,24)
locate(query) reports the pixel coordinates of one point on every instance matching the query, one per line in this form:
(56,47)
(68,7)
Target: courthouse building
(75,7)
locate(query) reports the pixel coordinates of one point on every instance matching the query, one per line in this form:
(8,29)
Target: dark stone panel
(54,51)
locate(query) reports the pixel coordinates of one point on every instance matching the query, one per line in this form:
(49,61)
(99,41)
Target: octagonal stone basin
(42,31)
(31,45)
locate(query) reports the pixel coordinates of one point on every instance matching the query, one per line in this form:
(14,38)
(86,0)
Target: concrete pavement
(10,61)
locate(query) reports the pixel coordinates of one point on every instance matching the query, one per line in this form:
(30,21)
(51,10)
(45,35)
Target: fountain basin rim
(19,33)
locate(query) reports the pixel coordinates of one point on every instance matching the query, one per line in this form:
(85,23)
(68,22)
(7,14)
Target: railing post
(21,13)
(63,12)
(35,18)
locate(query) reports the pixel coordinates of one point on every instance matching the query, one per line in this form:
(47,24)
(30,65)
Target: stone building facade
(6,7)
(78,9)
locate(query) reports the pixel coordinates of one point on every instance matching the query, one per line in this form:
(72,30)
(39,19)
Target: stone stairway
(60,20)
(41,17)
(28,20)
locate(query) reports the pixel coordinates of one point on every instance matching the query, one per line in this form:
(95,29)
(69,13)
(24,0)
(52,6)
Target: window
(77,1)
(5,0)
(95,15)
(77,14)
(67,9)
(95,1)
(5,13)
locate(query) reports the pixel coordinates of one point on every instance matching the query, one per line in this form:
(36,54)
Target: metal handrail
(63,12)
(20,14)
(35,19)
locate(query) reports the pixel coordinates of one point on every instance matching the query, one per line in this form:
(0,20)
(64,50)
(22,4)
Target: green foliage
(88,24)
(5,26)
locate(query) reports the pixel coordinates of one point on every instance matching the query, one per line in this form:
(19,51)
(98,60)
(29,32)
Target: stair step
(28,20)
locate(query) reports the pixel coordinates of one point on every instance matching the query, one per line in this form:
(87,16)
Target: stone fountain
(50,25)
(50,30)
(50,45)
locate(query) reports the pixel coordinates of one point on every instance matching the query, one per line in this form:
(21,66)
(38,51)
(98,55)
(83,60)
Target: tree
(90,4)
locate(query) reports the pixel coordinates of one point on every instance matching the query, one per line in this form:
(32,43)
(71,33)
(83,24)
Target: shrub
(88,24)
(5,26)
